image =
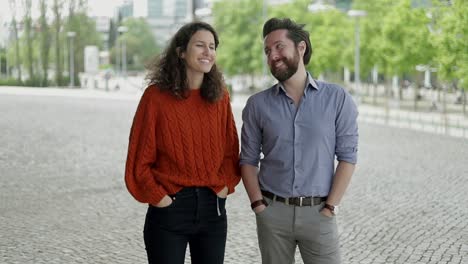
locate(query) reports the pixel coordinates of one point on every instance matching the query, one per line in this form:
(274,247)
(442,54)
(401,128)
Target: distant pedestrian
(299,125)
(183,151)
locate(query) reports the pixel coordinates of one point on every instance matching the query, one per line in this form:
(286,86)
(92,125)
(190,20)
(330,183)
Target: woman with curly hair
(183,151)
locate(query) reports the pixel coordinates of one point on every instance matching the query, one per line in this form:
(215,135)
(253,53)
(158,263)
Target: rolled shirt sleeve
(251,136)
(347,130)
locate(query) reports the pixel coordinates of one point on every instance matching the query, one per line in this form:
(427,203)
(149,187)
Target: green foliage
(10,82)
(371,41)
(239,25)
(139,42)
(28,36)
(330,35)
(405,39)
(45,41)
(86,34)
(35,81)
(451,39)
(396,35)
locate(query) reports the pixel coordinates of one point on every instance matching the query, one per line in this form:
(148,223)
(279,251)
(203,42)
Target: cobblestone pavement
(63,199)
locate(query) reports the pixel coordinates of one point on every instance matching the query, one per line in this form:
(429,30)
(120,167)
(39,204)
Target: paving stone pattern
(63,199)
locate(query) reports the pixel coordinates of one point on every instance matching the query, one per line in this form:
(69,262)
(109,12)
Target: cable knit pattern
(178,143)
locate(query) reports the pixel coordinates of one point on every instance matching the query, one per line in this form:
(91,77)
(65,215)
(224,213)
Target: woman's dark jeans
(197,217)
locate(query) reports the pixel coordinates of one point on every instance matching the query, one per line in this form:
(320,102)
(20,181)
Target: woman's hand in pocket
(165,202)
(223,193)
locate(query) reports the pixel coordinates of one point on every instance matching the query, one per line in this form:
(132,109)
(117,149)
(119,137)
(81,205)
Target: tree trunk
(375,81)
(419,84)
(387,88)
(15,32)
(374,95)
(45,42)
(416,94)
(27,30)
(400,91)
(464,101)
(17,52)
(58,60)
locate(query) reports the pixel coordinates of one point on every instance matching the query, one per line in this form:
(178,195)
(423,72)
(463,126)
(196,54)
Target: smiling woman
(183,152)
(199,57)
(190,56)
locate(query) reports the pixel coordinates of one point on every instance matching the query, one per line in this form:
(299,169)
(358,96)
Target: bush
(34,82)
(37,81)
(11,82)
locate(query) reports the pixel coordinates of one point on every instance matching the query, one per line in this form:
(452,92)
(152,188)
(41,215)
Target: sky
(95,7)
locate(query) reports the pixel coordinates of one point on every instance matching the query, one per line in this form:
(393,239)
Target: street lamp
(320,6)
(357,81)
(123,29)
(71,35)
(203,13)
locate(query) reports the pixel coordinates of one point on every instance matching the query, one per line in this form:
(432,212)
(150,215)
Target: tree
(451,38)
(27,21)
(45,41)
(371,31)
(239,24)
(112,34)
(371,36)
(406,40)
(57,10)
(86,34)
(139,42)
(15,34)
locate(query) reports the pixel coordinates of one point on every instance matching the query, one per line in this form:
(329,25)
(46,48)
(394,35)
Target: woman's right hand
(165,202)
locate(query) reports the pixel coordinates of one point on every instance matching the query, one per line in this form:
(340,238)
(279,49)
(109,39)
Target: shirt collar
(310,84)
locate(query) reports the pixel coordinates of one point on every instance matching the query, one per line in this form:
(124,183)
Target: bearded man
(291,135)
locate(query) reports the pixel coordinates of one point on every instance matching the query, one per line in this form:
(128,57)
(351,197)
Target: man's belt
(297,201)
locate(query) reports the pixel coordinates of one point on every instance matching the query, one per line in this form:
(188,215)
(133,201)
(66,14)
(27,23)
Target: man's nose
(273,56)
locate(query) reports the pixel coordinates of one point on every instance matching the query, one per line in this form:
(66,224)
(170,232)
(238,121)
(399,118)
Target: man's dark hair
(296,33)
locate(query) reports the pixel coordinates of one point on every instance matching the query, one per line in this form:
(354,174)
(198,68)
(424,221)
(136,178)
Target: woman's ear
(180,54)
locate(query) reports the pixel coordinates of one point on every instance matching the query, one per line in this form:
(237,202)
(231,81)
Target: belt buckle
(300,200)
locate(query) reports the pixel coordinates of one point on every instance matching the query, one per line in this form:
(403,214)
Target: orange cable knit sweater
(176,143)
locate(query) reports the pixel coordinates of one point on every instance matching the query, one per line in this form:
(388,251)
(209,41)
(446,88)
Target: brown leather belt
(297,201)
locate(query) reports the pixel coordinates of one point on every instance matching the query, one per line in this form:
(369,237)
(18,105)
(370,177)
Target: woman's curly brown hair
(168,70)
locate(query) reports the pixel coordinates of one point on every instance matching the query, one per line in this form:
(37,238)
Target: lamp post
(357,81)
(204,14)
(123,29)
(319,6)
(71,35)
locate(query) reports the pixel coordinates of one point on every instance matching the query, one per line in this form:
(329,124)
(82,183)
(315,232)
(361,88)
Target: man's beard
(290,69)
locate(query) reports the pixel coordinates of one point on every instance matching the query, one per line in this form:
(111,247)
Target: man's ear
(302,47)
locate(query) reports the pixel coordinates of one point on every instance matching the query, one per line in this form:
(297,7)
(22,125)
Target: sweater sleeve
(231,155)
(139,178)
